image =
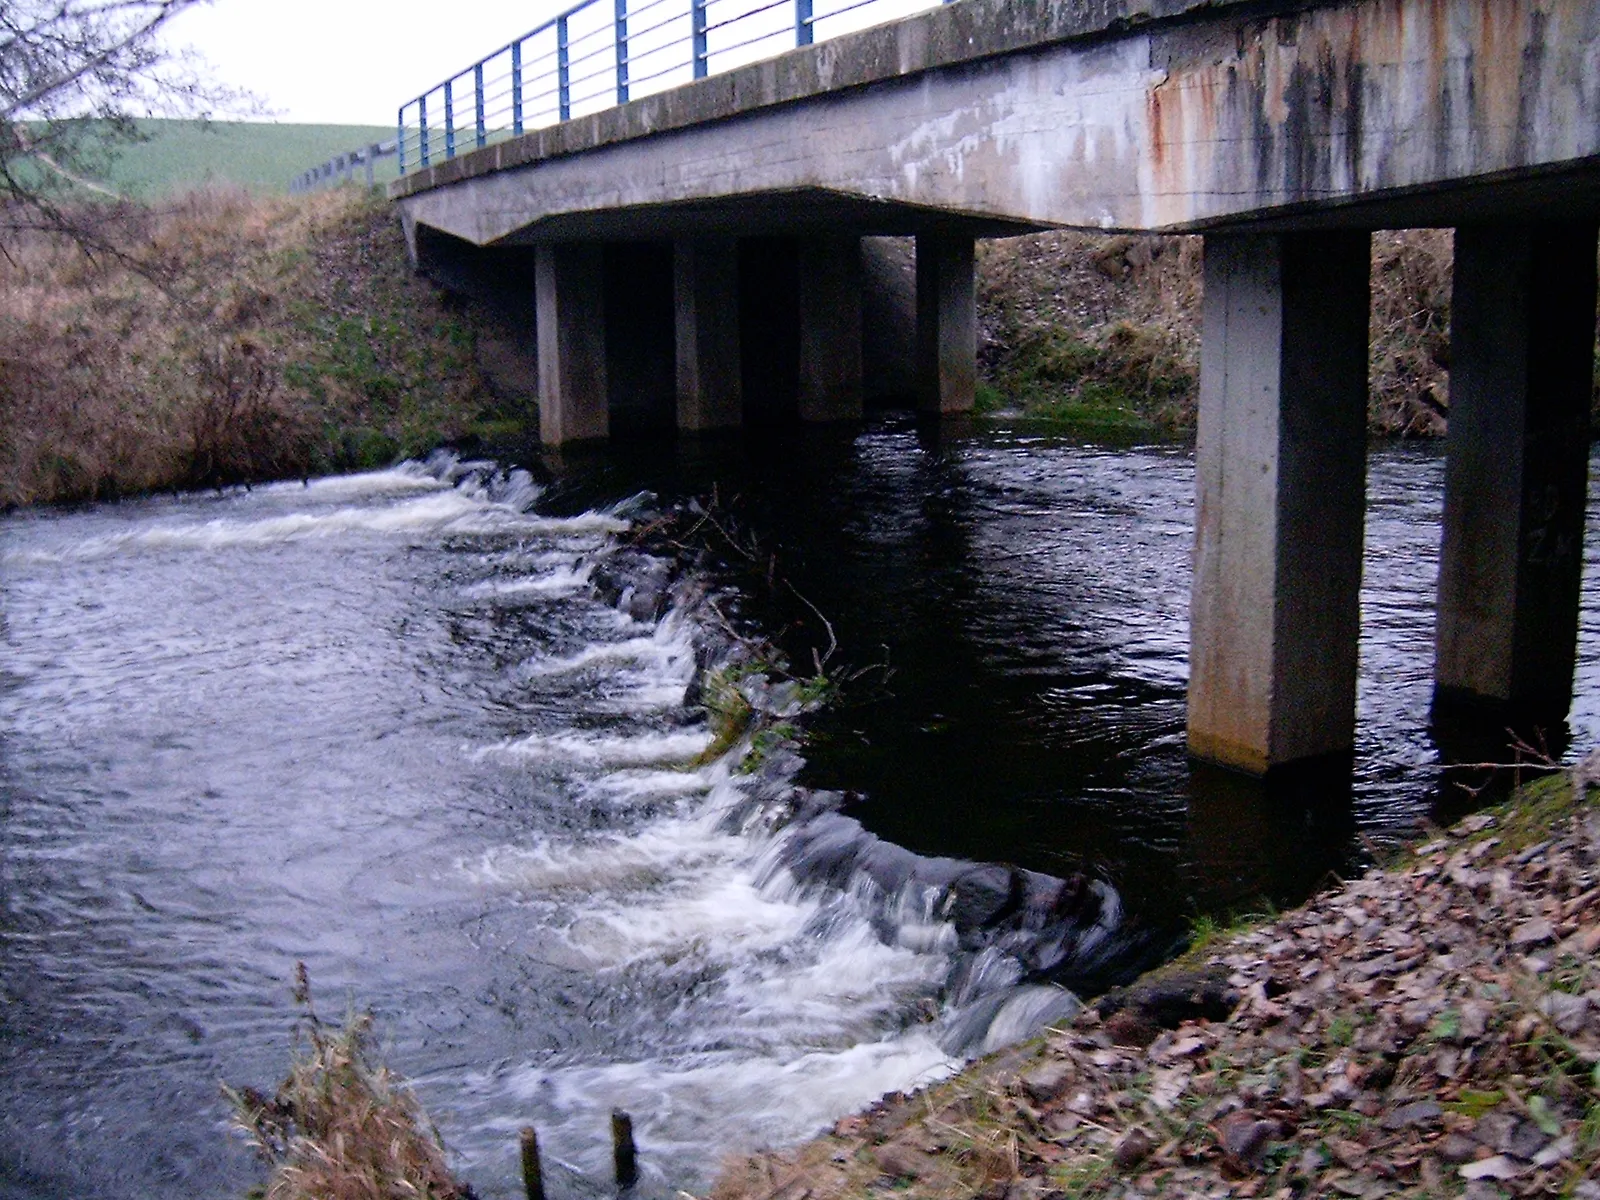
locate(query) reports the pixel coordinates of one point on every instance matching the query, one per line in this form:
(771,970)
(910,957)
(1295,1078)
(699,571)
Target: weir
(1284,132)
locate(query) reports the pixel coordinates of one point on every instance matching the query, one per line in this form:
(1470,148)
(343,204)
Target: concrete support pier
(1281,481)
(569,284)
(705,290)
(947,323)
(1516,480)
(830,329)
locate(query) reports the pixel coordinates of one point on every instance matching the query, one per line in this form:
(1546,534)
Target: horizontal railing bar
(755,12)
(760,37)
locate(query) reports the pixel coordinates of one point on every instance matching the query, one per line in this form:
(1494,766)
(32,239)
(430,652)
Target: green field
(259,155)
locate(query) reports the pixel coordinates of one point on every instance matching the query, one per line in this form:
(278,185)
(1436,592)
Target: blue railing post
(400,138)
(516,88)
(802,22)
(422,117)
(563,82)
(477,100)
(622,51)
(697,23)
(449,119)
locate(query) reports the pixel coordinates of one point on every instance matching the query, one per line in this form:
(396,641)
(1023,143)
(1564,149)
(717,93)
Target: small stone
(1422,1112)
(1533,933)
(1495,1130)
(1498,1167)
(1457,1149)
(903,1162)
(1046,1084)
(1526,1141)
(1557,1151)
(1567,1012)
(1244,1136)
(1133,1149)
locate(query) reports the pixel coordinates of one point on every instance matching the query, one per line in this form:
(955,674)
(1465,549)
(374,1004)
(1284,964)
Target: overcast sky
(348,62)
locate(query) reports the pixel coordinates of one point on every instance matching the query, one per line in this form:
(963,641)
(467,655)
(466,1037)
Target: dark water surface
(382,725)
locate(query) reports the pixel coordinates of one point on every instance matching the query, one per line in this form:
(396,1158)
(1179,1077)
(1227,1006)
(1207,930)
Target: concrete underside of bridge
(1283,131)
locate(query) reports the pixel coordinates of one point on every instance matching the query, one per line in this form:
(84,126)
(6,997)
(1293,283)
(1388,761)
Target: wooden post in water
(532,1172)
(624,1156)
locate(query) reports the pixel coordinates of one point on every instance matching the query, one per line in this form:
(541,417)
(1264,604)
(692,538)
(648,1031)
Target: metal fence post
(450,119)
(622,51)
(477,93)
(422,117)
(563,85)
(400,137)
(697,22)
(516,88)
(802,22)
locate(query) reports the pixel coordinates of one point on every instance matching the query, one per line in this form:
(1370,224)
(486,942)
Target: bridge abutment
(569,282)
(706,304)
(1516,477)
(830,329)
(947,323)
(1281,480)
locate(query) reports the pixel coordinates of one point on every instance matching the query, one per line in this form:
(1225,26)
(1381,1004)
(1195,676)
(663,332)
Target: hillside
(259,155)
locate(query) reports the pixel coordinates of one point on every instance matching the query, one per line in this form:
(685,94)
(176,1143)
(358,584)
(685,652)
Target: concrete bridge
(1283,131)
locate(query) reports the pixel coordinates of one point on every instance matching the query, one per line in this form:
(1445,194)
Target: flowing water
(388,725)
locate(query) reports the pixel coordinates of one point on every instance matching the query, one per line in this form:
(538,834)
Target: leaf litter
(1429,1029)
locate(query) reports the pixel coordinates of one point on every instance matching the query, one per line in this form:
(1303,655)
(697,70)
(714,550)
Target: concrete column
(830,329)
(947,323)
(705,289)
(570,312)
(1280,472)
(1516,480)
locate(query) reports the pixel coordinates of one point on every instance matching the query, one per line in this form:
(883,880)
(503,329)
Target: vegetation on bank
(1103,333)
(232,338)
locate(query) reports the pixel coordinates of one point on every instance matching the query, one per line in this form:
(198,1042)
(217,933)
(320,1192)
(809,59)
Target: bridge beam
(947,323)
(569,285)
(1516,479)
(705,281)
(1280,480)
(830,328)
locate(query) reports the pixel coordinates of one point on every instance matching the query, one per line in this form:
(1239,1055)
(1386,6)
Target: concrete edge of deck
(941,37)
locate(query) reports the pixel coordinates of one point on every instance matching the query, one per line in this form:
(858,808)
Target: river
(386,725)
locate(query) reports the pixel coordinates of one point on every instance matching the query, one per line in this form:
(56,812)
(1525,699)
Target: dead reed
(342,1126)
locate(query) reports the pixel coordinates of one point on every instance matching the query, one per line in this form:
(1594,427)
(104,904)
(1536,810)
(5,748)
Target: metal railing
(601,53)
(342,168)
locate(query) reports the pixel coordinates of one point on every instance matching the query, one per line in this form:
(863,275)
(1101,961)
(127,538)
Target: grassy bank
(240,338)
(1432,1029)
(1103,332)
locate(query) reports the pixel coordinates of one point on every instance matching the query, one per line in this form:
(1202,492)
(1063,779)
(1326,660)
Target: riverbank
(1432,1028)
(232,338)
(1103,332)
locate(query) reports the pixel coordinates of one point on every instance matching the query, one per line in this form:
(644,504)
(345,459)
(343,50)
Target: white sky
(348,62)
(365,57)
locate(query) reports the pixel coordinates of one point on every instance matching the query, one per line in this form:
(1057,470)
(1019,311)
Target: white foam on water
(603,750)
(667,648)
(407,477)
(638,784)
(731,1101)
(564,580)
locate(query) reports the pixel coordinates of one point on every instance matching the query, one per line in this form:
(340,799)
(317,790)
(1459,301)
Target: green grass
(259,155)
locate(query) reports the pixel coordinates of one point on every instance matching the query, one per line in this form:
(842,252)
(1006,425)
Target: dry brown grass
(1056,311)
(342,1126)
(237,338)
